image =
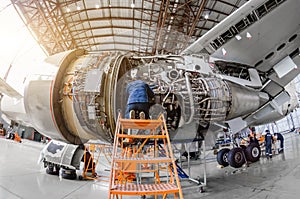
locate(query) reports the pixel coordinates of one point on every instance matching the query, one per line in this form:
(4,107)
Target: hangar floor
(22,177)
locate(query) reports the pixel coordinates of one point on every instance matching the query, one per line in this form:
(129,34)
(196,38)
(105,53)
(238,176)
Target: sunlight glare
(17,47)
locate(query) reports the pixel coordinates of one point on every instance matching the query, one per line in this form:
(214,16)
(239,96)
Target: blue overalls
(138,97)
(281,139)
(268,141)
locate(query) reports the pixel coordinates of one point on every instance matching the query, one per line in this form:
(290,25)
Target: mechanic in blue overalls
(281,139)
(268,143)
(138,93)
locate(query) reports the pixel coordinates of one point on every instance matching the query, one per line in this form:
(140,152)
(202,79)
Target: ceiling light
(97,6)
(78,7)
(132,5)
(248,35)
(224,52)
(206,16)
(238,37)
(68,10)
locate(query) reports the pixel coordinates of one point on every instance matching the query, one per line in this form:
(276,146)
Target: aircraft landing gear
(238,156)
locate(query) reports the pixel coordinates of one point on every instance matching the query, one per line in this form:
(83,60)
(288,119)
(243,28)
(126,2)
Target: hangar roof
(145,27)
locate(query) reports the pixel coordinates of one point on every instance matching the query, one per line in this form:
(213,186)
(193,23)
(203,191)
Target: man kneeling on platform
(138,93)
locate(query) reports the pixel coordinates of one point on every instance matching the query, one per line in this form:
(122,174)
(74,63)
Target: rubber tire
(222,157)
(236,157)
(253,152)
(69,174)
(50,170)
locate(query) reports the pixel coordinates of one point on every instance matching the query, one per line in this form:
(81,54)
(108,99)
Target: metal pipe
(189,88)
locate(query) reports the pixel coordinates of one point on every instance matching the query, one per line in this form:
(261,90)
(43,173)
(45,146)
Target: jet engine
(83,99)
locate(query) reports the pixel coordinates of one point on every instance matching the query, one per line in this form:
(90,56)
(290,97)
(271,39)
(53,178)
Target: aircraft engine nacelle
(75,105)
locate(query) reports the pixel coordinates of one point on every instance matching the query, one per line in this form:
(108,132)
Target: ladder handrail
(112,174)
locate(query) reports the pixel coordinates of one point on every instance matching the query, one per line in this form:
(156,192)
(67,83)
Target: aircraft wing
(263,35)
(205,44)
(8,90)
(251,33)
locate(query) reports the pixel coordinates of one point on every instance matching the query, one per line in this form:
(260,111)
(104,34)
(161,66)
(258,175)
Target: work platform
(133,156)
(22,178)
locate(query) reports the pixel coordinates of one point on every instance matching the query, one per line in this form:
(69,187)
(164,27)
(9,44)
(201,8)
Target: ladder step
(144,189)
(142,136)
(144,159)
(140,124)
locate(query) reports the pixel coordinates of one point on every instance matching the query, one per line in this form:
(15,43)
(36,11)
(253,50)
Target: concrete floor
(22,177)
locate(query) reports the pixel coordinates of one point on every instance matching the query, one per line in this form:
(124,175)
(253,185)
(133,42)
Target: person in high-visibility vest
(252,138)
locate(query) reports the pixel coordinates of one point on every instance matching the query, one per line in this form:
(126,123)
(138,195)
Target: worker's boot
(142,115)
(132,114)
